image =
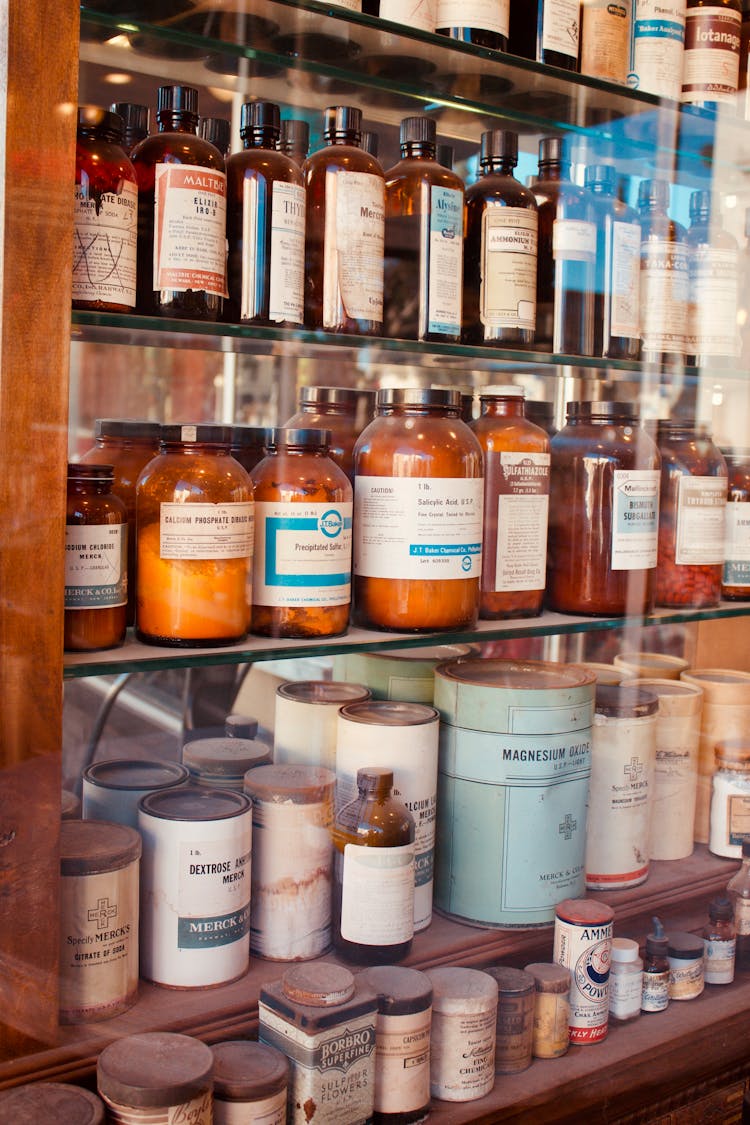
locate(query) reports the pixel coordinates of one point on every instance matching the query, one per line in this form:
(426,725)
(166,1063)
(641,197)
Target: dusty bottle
(566,255)
(738,889)
(618,263)
(664,277)
(373,837)
(294,141)
(500,251)
(96,576)
(135,119)
(605,40)
(516,502)
(711,63)
(658,44)
(625,981)
(714,276)
(424,229)
(344,230)
(655,994)
(546,30)
(265,225)
(181,214)
(475,21)
(719,942)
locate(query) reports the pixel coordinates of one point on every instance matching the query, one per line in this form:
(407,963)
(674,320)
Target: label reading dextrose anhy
(507,287)
(446,261)
(522,511)
(206,531)
(213,895)
(635,518)
(701,504)
(190,208)
(303,554)
(354,247)
(287,264)
(104,250)
(95,565)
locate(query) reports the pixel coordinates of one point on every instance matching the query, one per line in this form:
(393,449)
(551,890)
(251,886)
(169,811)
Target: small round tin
(157,1078)
(250,1084)
(112,790)
(464,1011)
(402,1042)
(50,1103)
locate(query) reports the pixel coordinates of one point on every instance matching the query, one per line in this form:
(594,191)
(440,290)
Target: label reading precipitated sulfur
(354,247)
(561,27)
(206,531)
(190,219)
(701,504)
(303,554)
(635,518)
(507,293)
(377,895)
(416,528)
(104,245)
(522,510)
(446,261)
(96,566)
(213,894)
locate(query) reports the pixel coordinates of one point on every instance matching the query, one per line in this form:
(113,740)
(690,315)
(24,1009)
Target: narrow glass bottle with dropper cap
(655,990)
(738,889)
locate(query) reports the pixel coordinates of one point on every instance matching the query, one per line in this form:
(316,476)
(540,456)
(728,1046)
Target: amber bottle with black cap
(96,576)
(295,139)
(135,119)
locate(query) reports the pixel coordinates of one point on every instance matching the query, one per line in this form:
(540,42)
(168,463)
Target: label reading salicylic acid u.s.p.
(635,518)
(303,554)
(190,220)
(206,531)
(213,894)
(446,261)
(417,528)
(95,566)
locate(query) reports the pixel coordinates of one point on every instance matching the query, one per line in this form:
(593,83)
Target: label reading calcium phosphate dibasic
(507,287)
(418,528)
(626,274)
(635,518)
(446,261)
(206,531)
(213,894)
(96,565)
(737,565)
(105,232)
(303,554)
(701,504)
(377,896)
(190,223)
(561,27)
(354,247)
(522,510)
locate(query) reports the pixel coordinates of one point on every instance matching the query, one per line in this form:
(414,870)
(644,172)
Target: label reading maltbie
(206,531)
(96,565)
(377,896)
(303,554)
(105,231)
(190,223)
(635,518)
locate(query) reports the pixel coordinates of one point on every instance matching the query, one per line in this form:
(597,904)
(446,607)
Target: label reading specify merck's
(303,554)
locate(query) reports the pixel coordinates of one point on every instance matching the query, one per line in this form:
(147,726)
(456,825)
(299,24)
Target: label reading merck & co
(105,235)
(354,247)
(190,209)
(635,518)
(213,895)
(585,950)
(522,510)
(508,282)
(414,528)
(446,261)
(303,554)
(95,565)
(701,505)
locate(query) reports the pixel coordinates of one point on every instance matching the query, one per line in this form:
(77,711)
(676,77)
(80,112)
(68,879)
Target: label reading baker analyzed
(635,519)
(190,222)
(303,554)
(446,261)
(354,247)
(206,531)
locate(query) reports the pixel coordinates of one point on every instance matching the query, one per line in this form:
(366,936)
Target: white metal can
(583,944)
(195,886)
(112,789)
(306,718)
(402,737)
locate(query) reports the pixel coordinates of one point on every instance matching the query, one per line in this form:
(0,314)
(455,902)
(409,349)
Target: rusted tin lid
(90,847)
(157,1068)
(319,986)
(50,1103)
(400,991)
(245,1070)
(304,785)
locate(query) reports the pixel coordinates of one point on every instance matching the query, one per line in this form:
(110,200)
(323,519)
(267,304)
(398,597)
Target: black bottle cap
(444,155)
(132,428)
(295,135)
(341,119)
(105,120)
(418,129)
(370,143)
(653,193)
(240,726)
(177,99)
(553,149)
(700,204)
(215,130)
(721,909)
(601,175)
(186,432)
(746,847)
(134,116)
(499,144)
(259,115)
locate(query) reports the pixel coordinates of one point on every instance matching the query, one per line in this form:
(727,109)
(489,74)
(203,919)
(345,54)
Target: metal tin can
(406,674)
(686,961)
(112,790)
(323,1020)
(292,862)
(652,664)
(306,720)
(515,1019)
(157,1078)
(515,759)
(462,1049)
(98,919)
(402,737)
(402,1043)
(221,763)
(583,944)
(195,886)
(250,1084)
(551,1036)
(50,1103)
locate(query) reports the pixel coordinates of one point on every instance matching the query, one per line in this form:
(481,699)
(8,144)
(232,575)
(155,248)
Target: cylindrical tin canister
(622,778)
(98,919)
(250,1084)
(551,1010)
(406,674)
(462,1050)
(515,1018)
(50,1103)
(515,758)
(678,725)
(402,1043)
(725,714)
(583,944)
(306,719)
(402,737)
(656,665)
(156,1078)
(221,763)
(730,802)
(112,790)
(605,673)
(195,886)
(292,861)
(686,965)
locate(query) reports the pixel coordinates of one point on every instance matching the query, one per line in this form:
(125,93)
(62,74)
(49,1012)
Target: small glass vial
(686,957)
(738,888)
(194,518)
(719,942)
(551,1037)
(105,223)
(514,1024)
(250,1083)
(655,984)
(464,1013)
(625,981)
(735,579)
(334,409)
(303,546)
(156,1078)
(418,525)
(96,570)
(730,798)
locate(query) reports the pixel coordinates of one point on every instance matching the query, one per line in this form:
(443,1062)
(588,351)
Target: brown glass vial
(344,230)
(303,538)
(418,514)
(516,502)
(194,521)
(735,579)
(334,409)
(295,139)
(127,445)
(96,576)
(373,895)
(105,221)
(181,179)
(500,249)
(664,278)
(484,25)
(603,509)
(265,225)
(424,221)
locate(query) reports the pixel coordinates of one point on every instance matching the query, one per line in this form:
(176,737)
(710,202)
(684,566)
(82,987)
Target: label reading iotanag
(105,232)
(96,565)
(711,64)
(206,531)
(507,286)
(377,896)
(446,261)
(303,554)
(354,247)
(635,519)
(190,224)
(701,505)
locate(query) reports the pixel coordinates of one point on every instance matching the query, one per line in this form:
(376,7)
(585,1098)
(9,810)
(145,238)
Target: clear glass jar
(735,579)
(418,521)
(730,798)
(333,409)
(604,489)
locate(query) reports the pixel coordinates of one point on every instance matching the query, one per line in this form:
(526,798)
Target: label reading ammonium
(507,287)
(446,261)
(190,220)
(417,528)
(303,554)
(635,518)
(701,504)
(95,565)
(213,894)
(206,531)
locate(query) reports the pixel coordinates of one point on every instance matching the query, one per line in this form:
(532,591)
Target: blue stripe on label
(297,523)
(205,933)
(659,29)
(442,549)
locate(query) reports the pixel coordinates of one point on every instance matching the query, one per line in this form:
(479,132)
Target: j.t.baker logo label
(331,523)
(592,970)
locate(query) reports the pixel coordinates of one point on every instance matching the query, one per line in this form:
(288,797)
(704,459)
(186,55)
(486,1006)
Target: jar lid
(132,428)
(135,773)
(259,115)
(225,757)
(732,753)
(611,410)
(339,396)
(685,946)
(584,912)
(389,713)
(307,437)
(400,991)
(178,99)
(508,390)
(528,675)
(624,949)
(304,785)
(498,144)
(456,990)
(512,982)
(321,985)
(295,133)
(604,673)
(49,1103)
(250,437)
(549,977)
(187,433)
(156,1068)
(341,119)
(244,1070)
(189,802)
(418,396)
(77,471)
(619,701)
(423,653)
(416,129)
(324,692)
(651,663)
(97,117)
(91,847)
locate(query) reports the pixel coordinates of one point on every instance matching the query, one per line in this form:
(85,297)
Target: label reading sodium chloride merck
(96,566)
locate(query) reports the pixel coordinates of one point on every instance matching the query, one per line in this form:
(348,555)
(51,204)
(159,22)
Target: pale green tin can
(404,674)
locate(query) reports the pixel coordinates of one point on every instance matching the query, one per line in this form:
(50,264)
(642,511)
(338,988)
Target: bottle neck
(503,408)
(344,137)
(418,150)
(602,189)
(177,121)
(264,137)
(379,792)
(498,165)
(554,169)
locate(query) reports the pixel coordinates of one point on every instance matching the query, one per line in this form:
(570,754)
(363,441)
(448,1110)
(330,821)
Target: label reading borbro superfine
(303,555)
(585,950)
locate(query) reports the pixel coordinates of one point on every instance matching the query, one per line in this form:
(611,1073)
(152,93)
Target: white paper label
(635,518)
(573,240)
(213,891)
(626,276)
(522,510)
(446,261)
(354,247)
(711,64)
(625,994)
(713,298)
(198,1111)
(420,14)
(417,528)
(267,1111)
(489,15)
(737,565)
(95,565)
(719,961)
(507,287)
(664,295)
(561,26)
(701,504)
(303,554)
(104,245)
(206,531)
(657,47)
(742,915)
(377,903)
(190,223)
(402,1062)
(287,265)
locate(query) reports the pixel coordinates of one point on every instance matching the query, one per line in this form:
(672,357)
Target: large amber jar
(334,409)
(303,546)
(96,577)
(603,512)
(418,514)
(516,503)
(194,521)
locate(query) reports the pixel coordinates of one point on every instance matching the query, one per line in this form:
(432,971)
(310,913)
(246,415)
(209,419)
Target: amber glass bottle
(265,225)
(374,890)
(334,409)
(516,504)
(664,278)
(181,205)
(96,576)
(424,217)
(135,119)
(344,230)
(711,63)
(546,30)
(475,21)
(500,249)
(618,268)
(295,139)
